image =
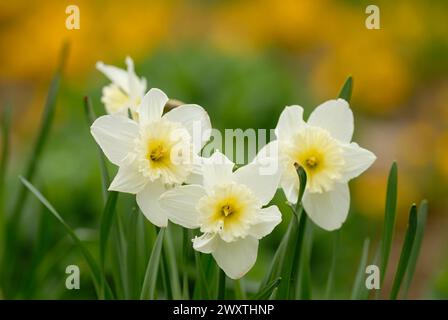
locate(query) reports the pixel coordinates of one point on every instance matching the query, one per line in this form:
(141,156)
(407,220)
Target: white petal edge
(236,258)
(128,180)
(115,135)
(180,205)
(357,160)
(328,210)
(196,120)
(116,75)
(336,117)
(289,122)
(263,183)
(206,243)
(152,105)
(217,170)
(268,219)
(148,202)
(290,183)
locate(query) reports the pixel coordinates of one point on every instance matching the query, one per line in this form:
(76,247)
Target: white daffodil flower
(155,153)
(126,90)
(322,147)
(228,209)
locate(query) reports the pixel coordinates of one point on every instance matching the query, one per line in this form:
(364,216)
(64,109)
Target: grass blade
(359,288)
(346,90)
(267,291)
(405,253)
(149,284)
(389,219)
(95,270)
(421,223)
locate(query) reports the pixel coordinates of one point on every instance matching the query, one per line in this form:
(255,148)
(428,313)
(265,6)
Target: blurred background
(243,61)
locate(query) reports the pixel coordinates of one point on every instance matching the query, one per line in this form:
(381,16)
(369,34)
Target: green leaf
(389,219)
(421,223)
(331,273)
(405,253)
(90,117)
(95,270)
(152,269)
(6,127)
(359,288)
(291,258)
(201,288)
(303,286)
(267,291)
(221,285)
(12,223)
(105,226)
(171,264)
(346,90)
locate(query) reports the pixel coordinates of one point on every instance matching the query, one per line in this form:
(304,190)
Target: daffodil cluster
(158,159)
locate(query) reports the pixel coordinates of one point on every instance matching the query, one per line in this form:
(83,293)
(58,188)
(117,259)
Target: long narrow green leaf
(421,223)
(95,270)
(290,265)
(267,291)
(30,169)
(331,273)
(346,90)
(90,117)
(6,127)
(303,286)
(389,219)
(149,284)
(171,264)
(201,289)
(359,286)
(405,253)
(221,285)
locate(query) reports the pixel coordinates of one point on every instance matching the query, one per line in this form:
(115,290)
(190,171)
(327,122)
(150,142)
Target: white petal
(116,75)
(262,184)
(206,243)
(217,170)
(328,210)
(236,258)
(148,202)
(268,219)
(196,120)
(290,184)
(128,180)
(152,105)
(195,177)
(115,135)
(357,160)
(290,120)
(180,205)
(267,154)
(336,117)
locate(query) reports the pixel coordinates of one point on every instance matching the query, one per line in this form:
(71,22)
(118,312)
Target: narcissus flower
(155,153)
(228,209)
(322,147)
(126,90)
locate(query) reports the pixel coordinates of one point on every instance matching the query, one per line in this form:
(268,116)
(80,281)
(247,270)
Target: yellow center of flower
(157,153)
(319,154)
(228,210)
(165,152)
